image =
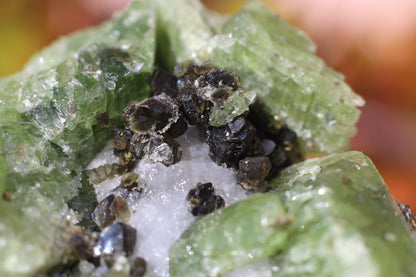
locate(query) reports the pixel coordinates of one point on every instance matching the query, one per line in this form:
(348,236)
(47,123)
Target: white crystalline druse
(160,214)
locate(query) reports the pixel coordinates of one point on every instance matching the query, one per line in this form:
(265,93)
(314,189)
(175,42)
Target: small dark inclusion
(203,200)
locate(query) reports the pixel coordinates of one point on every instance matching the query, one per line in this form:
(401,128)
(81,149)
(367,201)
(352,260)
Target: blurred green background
(372,42)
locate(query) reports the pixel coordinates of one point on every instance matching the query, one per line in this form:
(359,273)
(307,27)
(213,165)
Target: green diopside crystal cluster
(331,216)
(48,131)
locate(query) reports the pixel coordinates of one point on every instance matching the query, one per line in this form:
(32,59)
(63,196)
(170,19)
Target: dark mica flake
(122,137)
(162,81)
(103,119)
(7,196)
(131,182)
(80,246)
(121,209)
(109,209)
(231,143)
(104,172)
(154,115)
(203,87)
(116,239)
(103,214)
(286,151)
(178,128)
(252,171)
(203,200)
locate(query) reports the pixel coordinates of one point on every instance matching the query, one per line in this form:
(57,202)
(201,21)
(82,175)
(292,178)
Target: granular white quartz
(160,214)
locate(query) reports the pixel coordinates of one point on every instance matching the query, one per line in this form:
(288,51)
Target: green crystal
(278,63)
(346,223)
(237,103)
(182,30)
(244,232)
(48,131)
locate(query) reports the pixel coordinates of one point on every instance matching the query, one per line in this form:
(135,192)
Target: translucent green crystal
(278,63)
(346,223)
(242,233)
(48,130)
(294,86)
(237,103)
(182,30)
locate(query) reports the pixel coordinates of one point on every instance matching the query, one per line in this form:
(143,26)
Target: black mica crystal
(232,142)
(203,199)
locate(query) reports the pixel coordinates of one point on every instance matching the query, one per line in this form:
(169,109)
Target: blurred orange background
(372,42)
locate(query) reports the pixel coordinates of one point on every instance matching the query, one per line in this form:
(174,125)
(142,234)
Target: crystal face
(49,132)
(345,216)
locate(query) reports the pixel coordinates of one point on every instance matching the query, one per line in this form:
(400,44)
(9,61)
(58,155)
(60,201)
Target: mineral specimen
(210,96)
(252,171)
(49,132)
(230,143)
(203,200)
(154,115)
(109,209)
(116,239)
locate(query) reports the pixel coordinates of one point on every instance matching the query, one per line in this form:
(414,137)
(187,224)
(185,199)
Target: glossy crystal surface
(242,233)
(346,223)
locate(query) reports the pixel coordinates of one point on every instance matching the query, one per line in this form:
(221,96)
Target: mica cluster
(204,88)
(97,253)
(195,99)
(152,123)
(203,199)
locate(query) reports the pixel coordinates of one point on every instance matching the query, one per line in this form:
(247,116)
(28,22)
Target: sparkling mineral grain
(116,239)
(211,96)
(203,200)
(154,115)
(252,171)
(230,143)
